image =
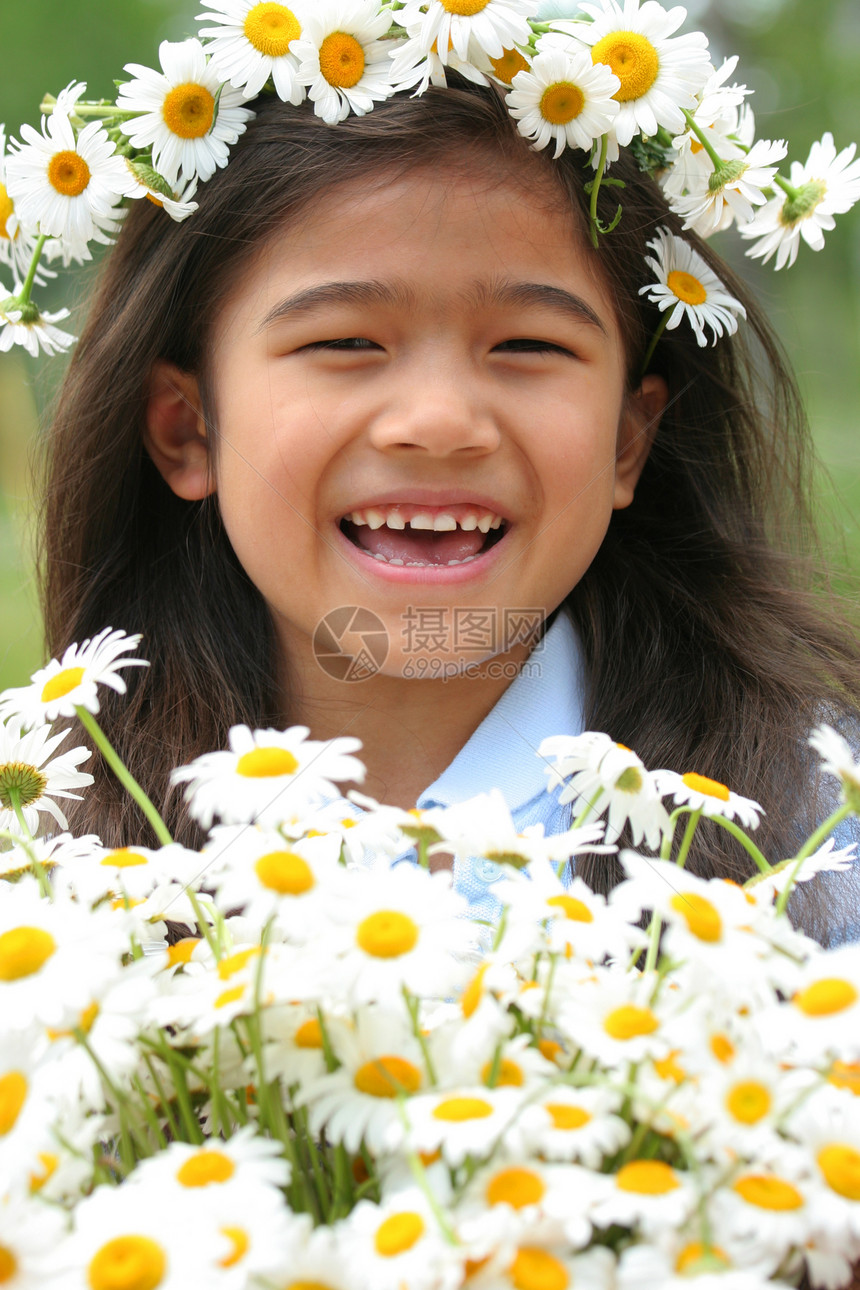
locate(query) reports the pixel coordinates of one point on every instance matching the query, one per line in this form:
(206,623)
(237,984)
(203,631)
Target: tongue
(422,545)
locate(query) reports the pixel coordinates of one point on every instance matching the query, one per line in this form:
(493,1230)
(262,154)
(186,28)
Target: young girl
(385,369)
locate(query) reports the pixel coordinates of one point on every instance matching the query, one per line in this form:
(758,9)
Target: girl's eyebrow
(497,294)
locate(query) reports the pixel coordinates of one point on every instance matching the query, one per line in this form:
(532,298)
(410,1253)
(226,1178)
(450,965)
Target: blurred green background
(800,56)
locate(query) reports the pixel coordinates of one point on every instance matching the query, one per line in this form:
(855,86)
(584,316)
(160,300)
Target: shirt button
(488,871)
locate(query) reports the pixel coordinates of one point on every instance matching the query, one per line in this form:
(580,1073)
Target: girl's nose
(439,411)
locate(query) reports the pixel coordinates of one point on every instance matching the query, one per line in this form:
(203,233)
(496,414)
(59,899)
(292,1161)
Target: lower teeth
(423,564)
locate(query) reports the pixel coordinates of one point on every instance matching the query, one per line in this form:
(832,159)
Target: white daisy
(771,1205)
(16,243)
(686,286)
(398,927)
(461,1121)
(572,1124)
(30,778)
(187,116)
(614,780)
(838,760)
(251,44)
(54,955)
(563,97)
(342,60)
(648,1193)
(520,1196)
(614,1018)
(827,185)
(574,919)
(484,826)
(709,796)
(57,689)
(245,1161)
(734,189)
(266,775)
(67,185)
(397,1244)
(660,74)
(154,187)
(27,326)
(414,67)
(449,25)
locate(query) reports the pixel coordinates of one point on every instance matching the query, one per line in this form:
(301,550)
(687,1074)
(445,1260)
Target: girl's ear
(175,435)
(637,428)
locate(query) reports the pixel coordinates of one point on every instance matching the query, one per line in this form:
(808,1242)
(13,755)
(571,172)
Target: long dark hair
(707,649)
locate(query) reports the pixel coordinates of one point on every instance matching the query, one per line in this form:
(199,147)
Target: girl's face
(415,360)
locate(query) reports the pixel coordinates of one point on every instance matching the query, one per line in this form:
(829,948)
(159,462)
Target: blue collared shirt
(545,698)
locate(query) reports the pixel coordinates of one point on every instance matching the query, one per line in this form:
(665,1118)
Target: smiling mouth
(424,536)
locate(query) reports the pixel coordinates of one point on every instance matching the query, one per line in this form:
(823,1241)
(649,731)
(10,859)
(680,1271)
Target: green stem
(595,189)
(687,840)
(124,775)
(27,839)
(655,339)
(821,834)
(584,814)
(164,1101)
(23,296)
(715,157)
(762,864)
(412,1007)
(104,111)
(792,192)
(653,942)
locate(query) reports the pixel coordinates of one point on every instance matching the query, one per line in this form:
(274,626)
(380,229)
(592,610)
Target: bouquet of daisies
(329,1078)
(598,77)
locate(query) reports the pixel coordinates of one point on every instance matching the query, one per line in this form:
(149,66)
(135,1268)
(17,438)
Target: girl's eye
(344,342)
(526,345)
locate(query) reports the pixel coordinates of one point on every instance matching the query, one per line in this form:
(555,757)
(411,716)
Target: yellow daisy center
(454,1110)
(825,997)
(128,1263)
(686,282)
(632,58)
(309,1034)
(398,1234)
(181,952)
(561,102)
(341,60)
(669,1068)
(387,934)
(465,8)
(748,1101)
(629,1022)
(123,858)
(49,1163)
(509,1074)
(507,66)
(698,1256)
(702,919)
(537,1269)
(647,1178)
(551,1049)
(8,1264)
(22,780)
(474,992)
(6,209)
(846,1075)
(840,1165)
(23,951)
(271,28)
(767,1191)
(722,1048)
(68,173)
(205,1167)
(13,1095)
(566,1117)
(86,1021)
(691,292)
(576,910)
(240,1242)
(266,763)
(226,997)
(515,1187)
(285,872)
(189,110)
(62,684)
(387,1076)
(234,963)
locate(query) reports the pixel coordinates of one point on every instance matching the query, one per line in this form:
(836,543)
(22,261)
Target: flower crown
(595,76)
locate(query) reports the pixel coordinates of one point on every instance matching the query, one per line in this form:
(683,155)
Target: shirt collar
(545,698)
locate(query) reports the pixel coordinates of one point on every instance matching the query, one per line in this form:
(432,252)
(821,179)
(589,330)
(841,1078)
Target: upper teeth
(375,518)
